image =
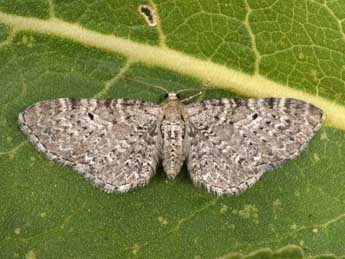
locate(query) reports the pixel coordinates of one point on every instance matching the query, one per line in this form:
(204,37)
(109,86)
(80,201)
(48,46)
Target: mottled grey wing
(234,141)
(114,143)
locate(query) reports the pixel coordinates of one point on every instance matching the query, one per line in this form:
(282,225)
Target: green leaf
(247,48)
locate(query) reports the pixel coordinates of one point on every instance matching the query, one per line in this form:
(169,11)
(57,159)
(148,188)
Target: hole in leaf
(148,13)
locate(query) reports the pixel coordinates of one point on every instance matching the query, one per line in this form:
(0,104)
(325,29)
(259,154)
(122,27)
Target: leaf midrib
(206,71)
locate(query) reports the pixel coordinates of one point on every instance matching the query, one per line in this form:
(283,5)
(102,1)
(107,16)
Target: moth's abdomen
(173,134)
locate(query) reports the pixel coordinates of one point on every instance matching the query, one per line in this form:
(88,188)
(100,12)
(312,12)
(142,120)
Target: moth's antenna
(196,89)
(192,97)
(201,91)
(148,84)
(187,89)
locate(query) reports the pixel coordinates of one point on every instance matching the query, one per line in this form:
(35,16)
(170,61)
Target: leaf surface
(51,49)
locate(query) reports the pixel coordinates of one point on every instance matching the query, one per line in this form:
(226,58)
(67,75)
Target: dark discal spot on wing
(91,116)
(255,116)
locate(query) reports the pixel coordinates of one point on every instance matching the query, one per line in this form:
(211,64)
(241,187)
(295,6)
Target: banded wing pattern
(114,143)
(234,141)
(117,143)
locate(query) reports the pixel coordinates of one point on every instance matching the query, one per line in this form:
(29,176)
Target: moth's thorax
(173,128)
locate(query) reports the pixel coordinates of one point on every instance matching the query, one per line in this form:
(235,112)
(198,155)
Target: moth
(117,143)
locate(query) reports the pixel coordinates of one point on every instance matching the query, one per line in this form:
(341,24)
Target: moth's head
(172,96)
